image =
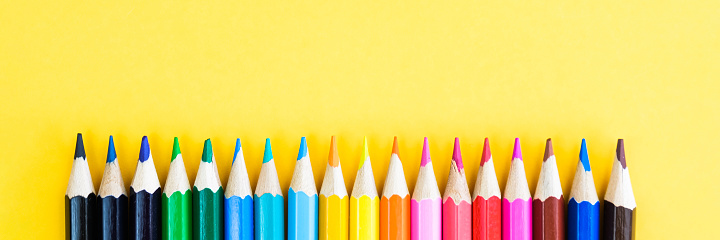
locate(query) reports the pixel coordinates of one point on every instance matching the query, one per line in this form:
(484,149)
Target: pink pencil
(516,204)
(425,206)
(457,209)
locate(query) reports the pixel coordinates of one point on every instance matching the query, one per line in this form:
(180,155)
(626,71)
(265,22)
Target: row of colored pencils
(209,212)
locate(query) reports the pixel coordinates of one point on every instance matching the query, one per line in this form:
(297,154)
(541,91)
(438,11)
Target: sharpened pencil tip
(486,155)
(238,146)
(303,152)
(79,147)
(395,149)
(366,153)
(517,153)
(425,159)
(548,150)
(620,153)
(457,156)
(144,149)
(268,151)
(584,159)
(112,155)
(207,155)
(176,149)
(333,159)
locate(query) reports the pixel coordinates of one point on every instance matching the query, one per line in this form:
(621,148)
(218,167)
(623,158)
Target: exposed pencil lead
(144,150)
(517,153)
(303,152)
(620,152)
(366,154)
(486,155)
(333,159)
(79,147)
(548,150)
(425,159)
(112,155)
(176,149)
(457,156)
(584,159)
(268,151)
(237,149)
(207,155)
(395,149)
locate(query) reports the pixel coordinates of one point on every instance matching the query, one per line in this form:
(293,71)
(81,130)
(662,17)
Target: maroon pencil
(548,203)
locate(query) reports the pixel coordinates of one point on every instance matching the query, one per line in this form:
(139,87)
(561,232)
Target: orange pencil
(395,202)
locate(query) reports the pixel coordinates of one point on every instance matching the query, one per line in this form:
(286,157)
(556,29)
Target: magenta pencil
(457,209)
(516,204)
(426,203)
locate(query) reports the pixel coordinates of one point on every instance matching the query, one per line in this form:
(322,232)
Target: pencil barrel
(207,214)
(113,217)
(144,212)
(517,219)
(549,219)
(177,215)
(395,218)
(269,217)
(333,217)
(457,220)
(80,218)
(619,222)
(239,218)
(426,219)
(486,219)
(583,220)
(364,218)
(302,216)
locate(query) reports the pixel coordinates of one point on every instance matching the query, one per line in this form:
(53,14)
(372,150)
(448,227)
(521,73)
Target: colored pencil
(177,199)
(583,207)
(620,203)
(364,202)
(268,201)
(303,199)
(145,197)
(334,201)
(80,198)
(486,203)
(239,200)
(207,198)
(548,203)
(113,199)
(517,202)
(457,206)
(426,202)
(395,201)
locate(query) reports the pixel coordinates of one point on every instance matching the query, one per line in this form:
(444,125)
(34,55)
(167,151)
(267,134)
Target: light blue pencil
(303,199)
(238,200)
(268,201)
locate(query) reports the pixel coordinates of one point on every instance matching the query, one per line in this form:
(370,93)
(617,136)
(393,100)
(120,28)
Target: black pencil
(112,199)
(619,200)
(145,198)
(80,198)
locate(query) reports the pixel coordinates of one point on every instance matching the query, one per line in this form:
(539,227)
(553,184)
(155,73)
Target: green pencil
(208,199)
(177,200)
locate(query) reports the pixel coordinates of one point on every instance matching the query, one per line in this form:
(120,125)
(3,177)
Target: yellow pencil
(333,222)
(364,203)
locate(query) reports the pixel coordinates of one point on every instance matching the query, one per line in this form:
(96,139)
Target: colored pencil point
(145,197)
(333,214)
(549,204)
(395,201)
(426,203)
(486,203)
(517,202)
(364,202)
(113,199)
(80,198)
(457,208)
(177,199)
(238,200)
(207,198)
(620,203)
(583,207)
(303,199)
(268,201)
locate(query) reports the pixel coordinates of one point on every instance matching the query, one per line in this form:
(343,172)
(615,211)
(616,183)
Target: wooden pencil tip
(457,156)
(79,147)
(144,150)
(333,159)
(486,155)
(620,152)
(548,150)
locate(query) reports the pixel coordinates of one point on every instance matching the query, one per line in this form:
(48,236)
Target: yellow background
(646,71)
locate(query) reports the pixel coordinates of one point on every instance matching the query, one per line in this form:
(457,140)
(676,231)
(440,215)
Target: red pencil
(486,200)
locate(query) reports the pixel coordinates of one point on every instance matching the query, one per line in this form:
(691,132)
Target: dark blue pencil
(113,199)
(145,198)
(80,198)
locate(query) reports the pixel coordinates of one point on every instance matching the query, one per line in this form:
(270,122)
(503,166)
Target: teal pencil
(268,201)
